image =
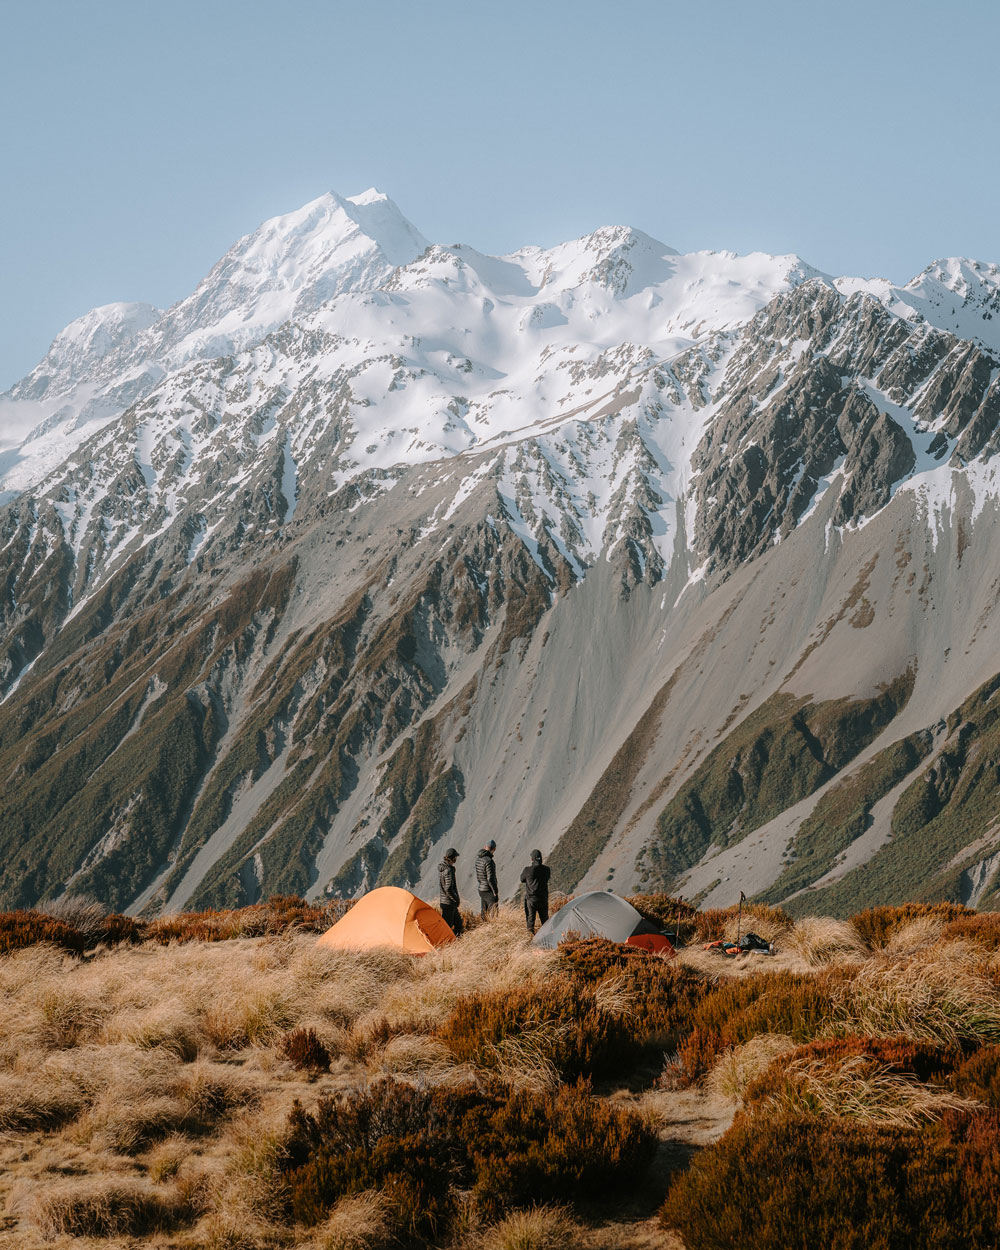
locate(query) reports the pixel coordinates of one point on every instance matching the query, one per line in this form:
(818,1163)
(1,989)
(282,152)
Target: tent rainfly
(393,917)
(600,914)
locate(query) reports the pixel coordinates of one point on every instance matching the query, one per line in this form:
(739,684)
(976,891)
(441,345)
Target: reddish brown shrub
(279,914)
(565,1146)
(304,1051)
(664,994)
(772,1002)
(876,925)
(979,1076)
(118,930)
(512,1150)
(694,1059)
(564,1020)
(795,1183)
(27,928)
(981,927)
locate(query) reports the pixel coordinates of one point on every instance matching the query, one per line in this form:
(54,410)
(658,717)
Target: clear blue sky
(138,140)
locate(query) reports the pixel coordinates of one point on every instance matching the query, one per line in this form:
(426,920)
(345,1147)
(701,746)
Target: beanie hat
(536,856)
(451,853)
(491,845)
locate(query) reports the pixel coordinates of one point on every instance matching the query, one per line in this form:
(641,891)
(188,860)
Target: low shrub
(77,930)
(278,915)
(563,1020)
(979,1076)
(980,927)
(693,1060)
(798,1004)
(876,925)
(565,1146)
(664,994)
(304,1051)
(27,928)
(794,1183)
(416,1145)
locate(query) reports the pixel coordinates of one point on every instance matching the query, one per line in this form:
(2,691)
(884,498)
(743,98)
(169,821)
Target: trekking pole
(677,931)
(739,921)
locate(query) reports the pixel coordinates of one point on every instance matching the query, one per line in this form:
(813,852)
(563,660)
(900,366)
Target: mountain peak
(371,196)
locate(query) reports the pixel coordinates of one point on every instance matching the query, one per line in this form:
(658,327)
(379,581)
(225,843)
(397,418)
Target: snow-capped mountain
(656,561)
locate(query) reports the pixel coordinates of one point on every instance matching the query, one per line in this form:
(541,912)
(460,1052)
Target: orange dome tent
(389,916)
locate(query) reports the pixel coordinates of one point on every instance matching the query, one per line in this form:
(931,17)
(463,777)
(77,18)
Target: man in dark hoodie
(536,891)
(448,899)
(486,878)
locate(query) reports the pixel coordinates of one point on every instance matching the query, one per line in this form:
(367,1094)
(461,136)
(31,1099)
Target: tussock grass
(943,1001)
(538,1228)
(859,1088)
(364,1221)
(29,1103)
(738,1068)
(98,1207)
(821,940)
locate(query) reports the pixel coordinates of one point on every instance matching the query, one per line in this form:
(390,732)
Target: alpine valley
(684,569)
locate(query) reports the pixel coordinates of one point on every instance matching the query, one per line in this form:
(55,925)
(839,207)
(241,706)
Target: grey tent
(596,914)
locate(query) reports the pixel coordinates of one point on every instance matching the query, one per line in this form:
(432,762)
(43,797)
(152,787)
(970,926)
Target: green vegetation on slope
(952,803)
(843,814)
(781,753)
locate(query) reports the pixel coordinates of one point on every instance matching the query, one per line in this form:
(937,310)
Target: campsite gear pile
(749,944)
(601,914)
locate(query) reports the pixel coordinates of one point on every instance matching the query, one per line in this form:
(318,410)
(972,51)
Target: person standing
(448,899)
(486,879)
(536,891)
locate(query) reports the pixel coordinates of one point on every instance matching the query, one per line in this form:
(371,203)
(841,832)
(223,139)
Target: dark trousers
(489,902)
(535,907)
(450,913)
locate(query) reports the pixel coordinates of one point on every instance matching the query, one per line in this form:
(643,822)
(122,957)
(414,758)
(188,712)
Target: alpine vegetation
(236,1083)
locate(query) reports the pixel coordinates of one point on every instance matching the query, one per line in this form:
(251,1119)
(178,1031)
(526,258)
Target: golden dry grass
(943,998)
(859,1088)
(158,1070)
(538,1228)
(736,1068)
(362,1221)
(144,1093)
(822,940)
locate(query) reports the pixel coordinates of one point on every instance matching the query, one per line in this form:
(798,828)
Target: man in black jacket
(486,879)
(448,899)
(536,891)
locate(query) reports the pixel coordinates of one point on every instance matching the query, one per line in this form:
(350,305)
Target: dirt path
(688,1121)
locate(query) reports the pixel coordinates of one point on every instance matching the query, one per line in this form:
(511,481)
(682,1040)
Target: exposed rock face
(679,568)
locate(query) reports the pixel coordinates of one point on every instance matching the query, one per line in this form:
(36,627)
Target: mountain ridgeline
(680,568)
